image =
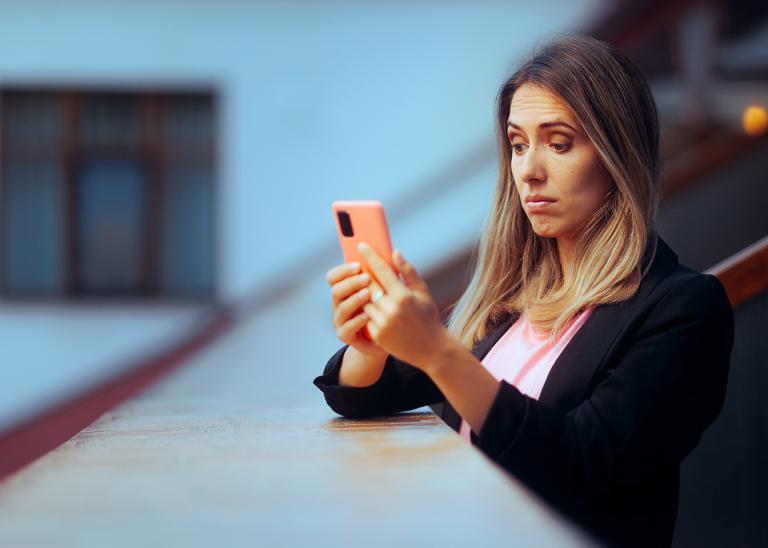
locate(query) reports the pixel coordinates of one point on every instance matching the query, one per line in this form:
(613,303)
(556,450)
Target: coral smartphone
(363,221)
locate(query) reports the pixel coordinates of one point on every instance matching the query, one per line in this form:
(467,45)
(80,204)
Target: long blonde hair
(518,271)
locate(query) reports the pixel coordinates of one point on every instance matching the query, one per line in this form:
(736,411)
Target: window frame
(151,149)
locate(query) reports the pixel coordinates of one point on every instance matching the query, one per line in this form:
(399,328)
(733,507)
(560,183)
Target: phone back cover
(369,224)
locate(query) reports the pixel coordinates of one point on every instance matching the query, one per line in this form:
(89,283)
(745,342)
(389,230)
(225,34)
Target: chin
(546,232)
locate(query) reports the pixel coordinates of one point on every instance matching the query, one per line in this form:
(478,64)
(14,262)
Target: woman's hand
(403,318)
(349,292)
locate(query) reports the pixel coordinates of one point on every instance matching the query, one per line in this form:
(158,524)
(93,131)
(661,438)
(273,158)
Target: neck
(565,251)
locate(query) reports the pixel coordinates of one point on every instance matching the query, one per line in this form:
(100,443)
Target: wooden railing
(56,422)
(744,274)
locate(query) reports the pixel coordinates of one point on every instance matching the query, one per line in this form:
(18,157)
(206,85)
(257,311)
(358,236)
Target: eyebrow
(553,123)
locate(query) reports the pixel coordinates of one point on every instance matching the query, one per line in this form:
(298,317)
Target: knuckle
(401,300)
(385,322)
(342,311)
(336,296)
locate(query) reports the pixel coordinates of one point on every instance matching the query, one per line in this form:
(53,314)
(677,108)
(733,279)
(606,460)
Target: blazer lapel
(573,371)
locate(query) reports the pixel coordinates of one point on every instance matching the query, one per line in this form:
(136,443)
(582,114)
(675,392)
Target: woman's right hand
(350,291)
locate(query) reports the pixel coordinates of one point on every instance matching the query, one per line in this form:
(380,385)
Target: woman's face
(553,159)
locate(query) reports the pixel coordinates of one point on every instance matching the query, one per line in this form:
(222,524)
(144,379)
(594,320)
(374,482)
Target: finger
(384,303)
(347,286)
(374,287)
(376,315)
(341,271)
(347,308)
(380,269)
(348,330)
(410,276)
(373,330)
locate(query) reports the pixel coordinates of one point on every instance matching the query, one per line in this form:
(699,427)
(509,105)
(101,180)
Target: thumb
(410,276)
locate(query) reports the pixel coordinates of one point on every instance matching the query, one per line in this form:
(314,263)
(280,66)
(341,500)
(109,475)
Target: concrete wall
(320,100)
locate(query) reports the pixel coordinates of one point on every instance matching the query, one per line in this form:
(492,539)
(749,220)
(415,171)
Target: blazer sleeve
(401,387)
(646,413)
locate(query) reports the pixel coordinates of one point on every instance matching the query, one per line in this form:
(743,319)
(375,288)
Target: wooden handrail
(35,435)
(707,158)
(744,274)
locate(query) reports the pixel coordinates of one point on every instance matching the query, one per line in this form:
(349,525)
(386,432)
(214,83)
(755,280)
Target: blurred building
(162,160)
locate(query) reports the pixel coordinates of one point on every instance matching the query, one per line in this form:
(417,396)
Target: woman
(582,358)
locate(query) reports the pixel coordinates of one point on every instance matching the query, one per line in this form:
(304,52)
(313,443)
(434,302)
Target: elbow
(349,411)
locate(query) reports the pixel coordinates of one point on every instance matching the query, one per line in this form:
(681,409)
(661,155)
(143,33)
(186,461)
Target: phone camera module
(346,224)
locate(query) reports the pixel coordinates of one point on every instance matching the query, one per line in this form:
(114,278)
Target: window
(106,193)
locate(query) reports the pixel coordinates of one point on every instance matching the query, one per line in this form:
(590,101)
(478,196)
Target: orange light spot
(755,120)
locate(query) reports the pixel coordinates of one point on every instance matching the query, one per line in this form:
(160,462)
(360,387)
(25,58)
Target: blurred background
(163,163)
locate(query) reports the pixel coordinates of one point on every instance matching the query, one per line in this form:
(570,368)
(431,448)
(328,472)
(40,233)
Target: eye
(561,147)
(517,148)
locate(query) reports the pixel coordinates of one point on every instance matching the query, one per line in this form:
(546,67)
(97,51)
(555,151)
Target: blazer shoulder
(685,283)
(686,294)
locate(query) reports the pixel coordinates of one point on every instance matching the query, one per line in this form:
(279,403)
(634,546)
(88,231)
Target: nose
(530,167)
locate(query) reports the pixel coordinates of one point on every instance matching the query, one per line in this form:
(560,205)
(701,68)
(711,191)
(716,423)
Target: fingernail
(354,266)
(362,246)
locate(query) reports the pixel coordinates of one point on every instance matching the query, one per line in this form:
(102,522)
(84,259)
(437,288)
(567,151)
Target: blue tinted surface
(111,219)
(34,258)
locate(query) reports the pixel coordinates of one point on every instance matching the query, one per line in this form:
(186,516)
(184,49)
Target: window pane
(33,224)
(110,120)
(189,120)
(31,118)
(111,221)
(188,230)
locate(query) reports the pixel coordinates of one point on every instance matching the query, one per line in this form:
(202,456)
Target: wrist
(444,353)
(369,355)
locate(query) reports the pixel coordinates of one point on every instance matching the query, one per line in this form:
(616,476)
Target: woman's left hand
(404,321)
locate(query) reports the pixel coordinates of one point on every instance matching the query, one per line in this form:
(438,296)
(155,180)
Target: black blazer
(625,402)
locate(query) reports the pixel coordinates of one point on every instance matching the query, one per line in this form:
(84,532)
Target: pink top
(523,357)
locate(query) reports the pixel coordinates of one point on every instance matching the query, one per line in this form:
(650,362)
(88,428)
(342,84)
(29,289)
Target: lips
(536,202)
(539,198)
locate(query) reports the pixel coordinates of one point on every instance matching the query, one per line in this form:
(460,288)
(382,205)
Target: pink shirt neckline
(523,357)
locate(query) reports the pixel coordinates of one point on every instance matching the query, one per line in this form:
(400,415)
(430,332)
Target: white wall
(321,100)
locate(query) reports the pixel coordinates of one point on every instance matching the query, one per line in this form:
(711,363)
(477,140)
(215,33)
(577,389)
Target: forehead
(532,105)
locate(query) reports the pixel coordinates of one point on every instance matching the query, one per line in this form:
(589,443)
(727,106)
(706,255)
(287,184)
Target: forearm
(360,370)
(466,384)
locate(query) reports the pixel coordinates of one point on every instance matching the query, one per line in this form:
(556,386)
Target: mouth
(539,205)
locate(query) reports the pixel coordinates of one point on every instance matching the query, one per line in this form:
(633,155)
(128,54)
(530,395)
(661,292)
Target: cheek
(589,190)
(518,186)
